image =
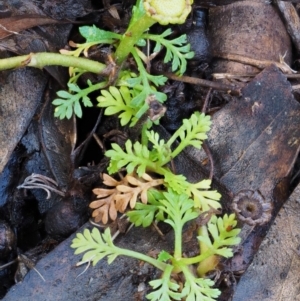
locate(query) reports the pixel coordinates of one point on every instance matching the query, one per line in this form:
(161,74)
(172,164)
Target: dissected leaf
(123,194)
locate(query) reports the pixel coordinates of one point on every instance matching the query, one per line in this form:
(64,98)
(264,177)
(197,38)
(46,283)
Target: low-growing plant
(128,96)
(176,204)
(129,89)
(149,188)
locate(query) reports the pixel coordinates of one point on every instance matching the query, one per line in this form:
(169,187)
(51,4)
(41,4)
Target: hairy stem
(140,22)
(42,59)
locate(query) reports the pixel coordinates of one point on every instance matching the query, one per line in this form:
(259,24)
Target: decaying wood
(17,106)
(292,21)
(247,29)
(254,142)
(274,272)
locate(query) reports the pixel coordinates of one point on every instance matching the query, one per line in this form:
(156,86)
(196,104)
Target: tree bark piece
(274,272)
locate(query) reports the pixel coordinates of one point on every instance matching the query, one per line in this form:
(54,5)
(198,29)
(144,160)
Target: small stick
(99,142)
(204,108)
(8,264)
(158,230)
(232,89)
(240,76)
(284,67)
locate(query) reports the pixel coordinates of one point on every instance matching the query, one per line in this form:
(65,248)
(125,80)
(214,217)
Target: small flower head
(252,208)
(168,11)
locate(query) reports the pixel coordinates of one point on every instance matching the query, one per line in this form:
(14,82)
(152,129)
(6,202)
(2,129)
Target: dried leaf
(123,194)
(110,181)
(16,24)
(101,192)
(122,201)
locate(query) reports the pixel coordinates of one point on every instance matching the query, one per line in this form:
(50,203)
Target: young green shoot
(177,204)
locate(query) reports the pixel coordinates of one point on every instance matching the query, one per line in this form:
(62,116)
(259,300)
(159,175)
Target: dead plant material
(123,193)
(261,64)
(255,39)
(229,88)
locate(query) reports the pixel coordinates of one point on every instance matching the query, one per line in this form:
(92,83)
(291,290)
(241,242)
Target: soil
(253,144)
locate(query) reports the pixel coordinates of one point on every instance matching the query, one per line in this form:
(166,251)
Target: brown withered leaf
(16,24)
(105,207)
(123,194)
(130,194)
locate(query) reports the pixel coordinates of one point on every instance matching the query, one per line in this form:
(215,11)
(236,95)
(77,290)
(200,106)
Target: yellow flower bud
(168,11)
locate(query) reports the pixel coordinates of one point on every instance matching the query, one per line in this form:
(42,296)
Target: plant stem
(210,262)
(178,239)
(42,59)
(197,259)
(158,264)
(139,23)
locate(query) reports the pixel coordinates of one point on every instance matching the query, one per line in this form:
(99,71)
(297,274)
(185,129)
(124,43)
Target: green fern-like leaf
(204,198)
(136,156)
(178,208)
(223,233)
(177,50)
(118,101)
(164,289)
(69,102)
(192,132)
(143,81)
(160,151)
(196,289)
(145,214)
(178,183)
(95,245)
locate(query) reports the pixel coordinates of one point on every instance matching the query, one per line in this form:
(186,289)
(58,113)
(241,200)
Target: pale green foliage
(181,201)
(204,198)
(191,133)
(177,50)
(131,101)
(222,234)
(148,83)
(176,210)
(199,289)
(95,245)
(170,207)
(118,101)
(145,214)
(160,153)
(164,288)
(138,157)
(69,102)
